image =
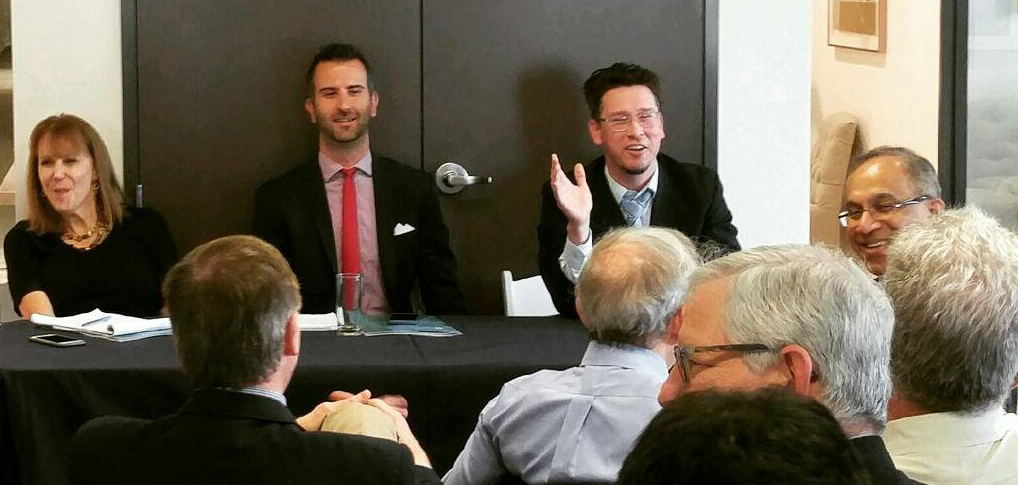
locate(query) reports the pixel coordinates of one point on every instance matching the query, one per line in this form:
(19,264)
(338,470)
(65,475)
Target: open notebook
(110,326)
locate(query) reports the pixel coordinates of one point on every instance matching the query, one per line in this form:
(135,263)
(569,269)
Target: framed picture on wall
(857,24)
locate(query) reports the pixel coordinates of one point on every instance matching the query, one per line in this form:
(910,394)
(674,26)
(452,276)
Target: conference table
(46,393)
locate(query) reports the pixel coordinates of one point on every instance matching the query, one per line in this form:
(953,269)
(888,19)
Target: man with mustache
(632,184)
(349,211)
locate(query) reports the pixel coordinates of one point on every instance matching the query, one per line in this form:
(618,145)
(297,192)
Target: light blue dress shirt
(565,426)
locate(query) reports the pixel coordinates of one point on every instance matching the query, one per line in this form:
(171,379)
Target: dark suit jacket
(877,461)
(688,198)
(292,213)
(223,437)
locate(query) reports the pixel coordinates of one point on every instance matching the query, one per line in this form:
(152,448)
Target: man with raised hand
(632,184)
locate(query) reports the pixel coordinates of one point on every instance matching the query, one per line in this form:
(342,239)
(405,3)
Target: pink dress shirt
(372,292)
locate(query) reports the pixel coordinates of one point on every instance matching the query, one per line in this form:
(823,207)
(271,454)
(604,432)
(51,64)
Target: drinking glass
(348,301)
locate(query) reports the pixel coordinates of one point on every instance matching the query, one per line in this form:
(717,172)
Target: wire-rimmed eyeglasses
(880,212)
(646,119)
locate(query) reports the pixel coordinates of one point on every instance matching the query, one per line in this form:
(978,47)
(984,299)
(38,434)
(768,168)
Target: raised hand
(573,200)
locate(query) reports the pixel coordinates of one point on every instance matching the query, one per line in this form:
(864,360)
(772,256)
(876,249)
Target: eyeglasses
(682,354)
(880,212)
(646,119)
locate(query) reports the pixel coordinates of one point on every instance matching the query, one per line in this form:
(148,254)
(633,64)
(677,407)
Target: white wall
(66,58)
(895,94)
(763,117)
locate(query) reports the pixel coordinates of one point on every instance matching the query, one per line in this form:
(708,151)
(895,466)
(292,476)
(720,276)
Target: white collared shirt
(575,425)
(574,256)
(955,448)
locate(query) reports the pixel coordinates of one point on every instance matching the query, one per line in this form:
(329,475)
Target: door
(503,90)
(216,90)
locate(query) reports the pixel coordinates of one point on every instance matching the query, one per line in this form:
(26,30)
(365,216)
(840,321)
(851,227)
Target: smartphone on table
(56,340)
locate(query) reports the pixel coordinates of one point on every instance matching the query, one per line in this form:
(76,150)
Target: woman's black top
(122,275)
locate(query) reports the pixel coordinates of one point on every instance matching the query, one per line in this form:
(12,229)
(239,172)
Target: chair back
(527,297)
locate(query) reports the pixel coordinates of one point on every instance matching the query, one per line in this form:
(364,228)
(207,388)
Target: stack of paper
(110,326)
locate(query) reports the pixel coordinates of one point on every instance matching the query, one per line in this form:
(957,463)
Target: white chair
(527,297)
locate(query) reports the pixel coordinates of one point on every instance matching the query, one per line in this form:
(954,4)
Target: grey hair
(954,285)
(229,300)
(634,283)
(920,170)
(819,299)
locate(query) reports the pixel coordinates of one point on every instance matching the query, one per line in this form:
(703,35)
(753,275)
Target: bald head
(633,284)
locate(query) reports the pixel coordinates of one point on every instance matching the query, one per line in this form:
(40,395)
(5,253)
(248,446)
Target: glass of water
(348,301)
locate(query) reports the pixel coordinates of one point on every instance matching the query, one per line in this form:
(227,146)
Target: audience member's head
(233,304)
(887,188)
(954,286)
(633,284)
(760,437)
(803,317)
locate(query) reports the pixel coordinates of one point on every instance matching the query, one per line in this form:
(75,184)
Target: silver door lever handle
(451,178)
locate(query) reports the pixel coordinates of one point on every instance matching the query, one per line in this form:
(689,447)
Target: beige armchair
(832,151)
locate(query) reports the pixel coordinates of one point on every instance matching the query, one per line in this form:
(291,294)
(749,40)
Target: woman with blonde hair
(81,248)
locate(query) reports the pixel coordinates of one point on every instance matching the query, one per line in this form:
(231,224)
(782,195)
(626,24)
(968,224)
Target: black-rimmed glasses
(880,212)
(682,354)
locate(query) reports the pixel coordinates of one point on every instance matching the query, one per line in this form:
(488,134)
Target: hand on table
(396,401)
(574,200)
(313,421)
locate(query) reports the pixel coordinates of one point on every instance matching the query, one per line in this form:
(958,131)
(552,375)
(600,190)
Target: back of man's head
(634,283)
(229,301)
(765,436)
(954,286)
(819,299)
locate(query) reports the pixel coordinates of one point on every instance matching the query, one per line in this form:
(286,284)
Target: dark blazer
(877,461)
(223,437)
(688,198)
(292,213)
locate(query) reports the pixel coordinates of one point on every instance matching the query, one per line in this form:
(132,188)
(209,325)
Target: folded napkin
(317,322)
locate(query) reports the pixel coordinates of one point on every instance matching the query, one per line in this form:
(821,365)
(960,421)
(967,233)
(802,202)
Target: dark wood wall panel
(214,93)
(220,97)
(503,90)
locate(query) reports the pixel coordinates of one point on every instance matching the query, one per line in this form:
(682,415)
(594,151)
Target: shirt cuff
(574,257)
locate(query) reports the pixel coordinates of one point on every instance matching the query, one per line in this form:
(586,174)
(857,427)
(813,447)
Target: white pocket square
(401,229)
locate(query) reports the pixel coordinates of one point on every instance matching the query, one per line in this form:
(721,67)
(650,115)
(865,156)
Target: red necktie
(351,254)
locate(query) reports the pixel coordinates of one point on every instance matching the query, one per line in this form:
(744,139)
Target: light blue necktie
(633,205)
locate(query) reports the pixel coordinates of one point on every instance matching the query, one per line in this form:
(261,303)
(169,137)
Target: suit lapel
(605,213)
(668,199)
(384,184)
(319,207)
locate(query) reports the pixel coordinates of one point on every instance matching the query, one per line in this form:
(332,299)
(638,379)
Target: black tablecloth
(46,393)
